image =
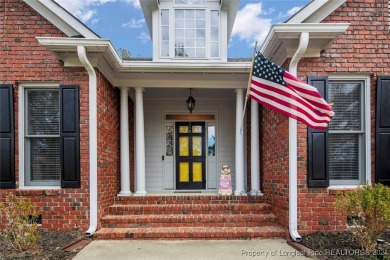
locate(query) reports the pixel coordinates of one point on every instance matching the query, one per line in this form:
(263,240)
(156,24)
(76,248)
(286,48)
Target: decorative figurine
(225,181)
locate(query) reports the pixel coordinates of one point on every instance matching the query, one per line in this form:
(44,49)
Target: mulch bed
(50,246)
(338,246)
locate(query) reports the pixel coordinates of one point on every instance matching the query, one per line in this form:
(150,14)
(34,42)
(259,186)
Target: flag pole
(248,87)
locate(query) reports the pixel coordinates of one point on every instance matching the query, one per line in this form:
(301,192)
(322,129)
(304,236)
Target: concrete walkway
(189,249)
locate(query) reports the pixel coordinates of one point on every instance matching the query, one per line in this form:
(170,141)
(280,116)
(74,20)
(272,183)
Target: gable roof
(62,19)
(315,11)
(283,39)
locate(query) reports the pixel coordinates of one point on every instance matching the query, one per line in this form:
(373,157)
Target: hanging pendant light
(190,102)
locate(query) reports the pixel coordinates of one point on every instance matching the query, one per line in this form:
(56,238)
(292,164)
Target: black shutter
(318,157)
(382,162)
(7,137)
(70,136)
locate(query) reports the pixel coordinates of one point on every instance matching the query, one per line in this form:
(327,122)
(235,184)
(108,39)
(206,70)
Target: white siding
(153,149)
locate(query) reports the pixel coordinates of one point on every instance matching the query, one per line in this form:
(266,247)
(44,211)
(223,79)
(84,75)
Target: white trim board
(61,18)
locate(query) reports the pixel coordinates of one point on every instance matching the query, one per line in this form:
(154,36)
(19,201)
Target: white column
(240,190)
(255,151)
(124,143)
(140,142)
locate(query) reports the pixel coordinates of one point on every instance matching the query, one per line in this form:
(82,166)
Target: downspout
(293,146)
(81,51)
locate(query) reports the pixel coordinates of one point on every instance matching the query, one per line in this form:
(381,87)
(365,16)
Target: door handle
(162,157)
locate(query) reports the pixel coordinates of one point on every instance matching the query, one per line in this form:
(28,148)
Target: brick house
(108,145)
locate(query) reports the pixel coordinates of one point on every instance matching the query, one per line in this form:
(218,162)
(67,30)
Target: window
(169,140)
(211,140)
(41,137)
(347,132)
(190,2)
(190,33)
(214,23)
(165,33)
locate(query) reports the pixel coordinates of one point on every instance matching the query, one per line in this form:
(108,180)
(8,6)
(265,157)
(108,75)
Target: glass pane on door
(196,129)
(197,172)
(183,146)
(184,172)
(183,129)
(196,146)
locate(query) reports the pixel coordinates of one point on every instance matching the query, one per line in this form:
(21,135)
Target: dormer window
(189,29)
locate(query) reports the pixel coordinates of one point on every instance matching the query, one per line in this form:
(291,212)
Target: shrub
(20,229)
(368,208)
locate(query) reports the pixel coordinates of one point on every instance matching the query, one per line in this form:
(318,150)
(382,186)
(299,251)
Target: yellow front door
(190,155)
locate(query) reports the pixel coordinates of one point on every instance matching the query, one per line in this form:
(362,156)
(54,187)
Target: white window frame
(161,34)
(219,34)
(21,139)
(366,114)
(172,7)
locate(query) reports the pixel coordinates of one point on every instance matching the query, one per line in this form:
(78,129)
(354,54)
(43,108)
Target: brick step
(191,199)
(190,233)
(168,209)
(205,220)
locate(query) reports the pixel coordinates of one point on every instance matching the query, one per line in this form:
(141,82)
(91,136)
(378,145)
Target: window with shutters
(41,137)
(347,132)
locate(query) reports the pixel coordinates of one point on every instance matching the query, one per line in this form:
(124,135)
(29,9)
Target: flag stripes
(281,91)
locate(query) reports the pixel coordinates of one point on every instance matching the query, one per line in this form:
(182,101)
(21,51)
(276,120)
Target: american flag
(279,90)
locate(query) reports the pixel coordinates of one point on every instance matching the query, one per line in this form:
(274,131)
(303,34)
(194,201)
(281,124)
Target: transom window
(42,137)
(190,2)
(347,133)
(190,33)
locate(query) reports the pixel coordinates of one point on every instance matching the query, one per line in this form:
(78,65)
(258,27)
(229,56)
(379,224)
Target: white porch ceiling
(183,93)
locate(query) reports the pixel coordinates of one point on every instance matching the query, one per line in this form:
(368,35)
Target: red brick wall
(108,112)
(364,48)
(274,162)
(22,59)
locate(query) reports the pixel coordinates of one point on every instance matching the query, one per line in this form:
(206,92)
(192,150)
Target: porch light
(190,102)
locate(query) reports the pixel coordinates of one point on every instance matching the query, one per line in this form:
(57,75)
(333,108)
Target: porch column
(255,145)
(140,142)
(240,190)
(124,143)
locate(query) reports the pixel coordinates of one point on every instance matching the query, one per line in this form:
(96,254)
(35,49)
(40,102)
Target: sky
(122,22)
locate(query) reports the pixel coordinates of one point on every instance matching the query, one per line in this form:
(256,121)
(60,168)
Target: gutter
(293,147)
(81,52)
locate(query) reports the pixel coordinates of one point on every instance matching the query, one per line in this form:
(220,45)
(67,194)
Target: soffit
(283,39)
(101,53)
